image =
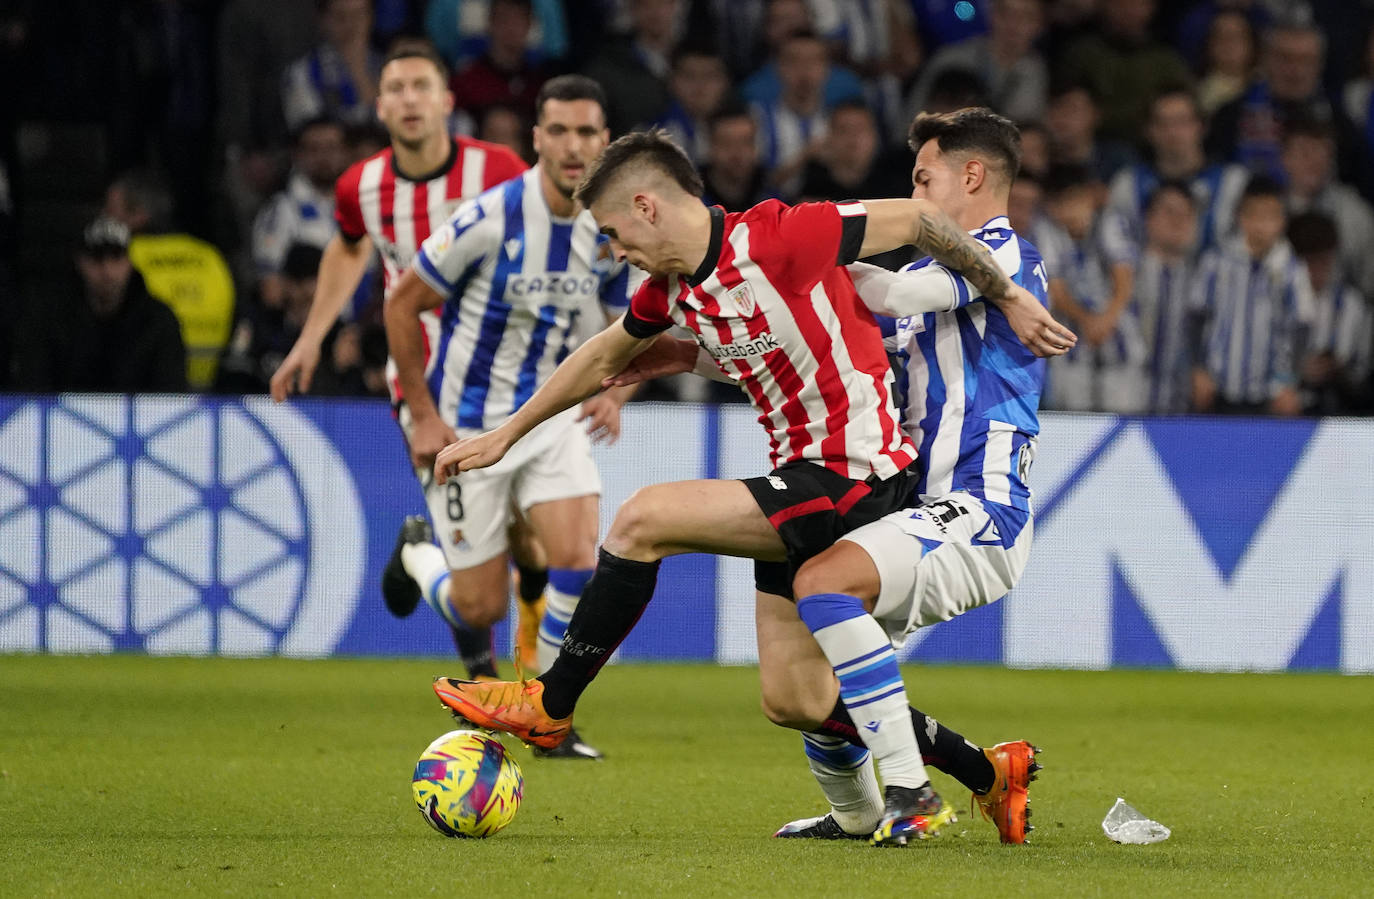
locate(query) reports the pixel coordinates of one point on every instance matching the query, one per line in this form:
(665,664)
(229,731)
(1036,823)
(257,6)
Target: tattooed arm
(922,224)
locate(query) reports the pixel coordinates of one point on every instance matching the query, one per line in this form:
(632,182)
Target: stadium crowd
(1197,175)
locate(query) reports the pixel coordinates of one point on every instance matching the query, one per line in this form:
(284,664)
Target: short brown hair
(416,48)
(566,89)
(975,129)
(651,149)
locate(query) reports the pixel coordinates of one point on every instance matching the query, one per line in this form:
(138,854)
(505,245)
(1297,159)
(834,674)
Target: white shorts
(942,558)
(472,512)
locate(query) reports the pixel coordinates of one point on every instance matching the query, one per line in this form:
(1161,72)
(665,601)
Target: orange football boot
(1007,803)
(512,707)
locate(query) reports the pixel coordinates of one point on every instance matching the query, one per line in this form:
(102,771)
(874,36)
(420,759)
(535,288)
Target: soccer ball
(466,785)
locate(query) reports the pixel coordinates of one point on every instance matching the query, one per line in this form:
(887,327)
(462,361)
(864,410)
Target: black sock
(532,582)
(941,748)
(611,603)
(474,648)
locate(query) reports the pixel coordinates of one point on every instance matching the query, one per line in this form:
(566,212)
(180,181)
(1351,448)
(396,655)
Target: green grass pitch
(133,776)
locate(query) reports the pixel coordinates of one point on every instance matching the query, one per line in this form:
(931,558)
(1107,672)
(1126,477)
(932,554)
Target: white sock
(426,564)
(870,683)
(845,775)
(560,599)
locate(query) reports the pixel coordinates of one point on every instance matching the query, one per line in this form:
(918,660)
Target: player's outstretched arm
(405,341)
(341,268)
(578,377)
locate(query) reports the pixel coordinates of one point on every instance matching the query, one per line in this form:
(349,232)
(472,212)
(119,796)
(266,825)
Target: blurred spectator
(264,336)
(1336,358)
(1035,149)
(338,78)
(1071,121)
(460,28)
(851,164)
(733,175)
(108,333)
(303,213)
(367,139)
(1358,96)
(1174,132)
(782,19)
(1309,163)
(792,128)
(1091,280)
(1163,287)
(186,273)
(1124,65)
(1025,203)
(633,68)
(877,39)
(699,85)
(507,73)
(1197,30)
(503,125)
(1013,72)
(733,29)
(255,41)
(1249,298)
(1228,64)
(955,89)
(1248,130)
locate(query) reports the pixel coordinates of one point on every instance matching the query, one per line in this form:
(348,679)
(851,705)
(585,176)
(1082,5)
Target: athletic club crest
(743,298)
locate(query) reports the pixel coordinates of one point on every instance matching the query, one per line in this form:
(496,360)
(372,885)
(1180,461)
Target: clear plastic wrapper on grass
(1124,824)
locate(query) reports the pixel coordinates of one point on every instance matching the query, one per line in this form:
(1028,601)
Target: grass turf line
(127,775)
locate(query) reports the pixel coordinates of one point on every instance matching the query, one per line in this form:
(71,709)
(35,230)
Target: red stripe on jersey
(777,363)
(348,212)
(386,201)
(420,203)
(819,504)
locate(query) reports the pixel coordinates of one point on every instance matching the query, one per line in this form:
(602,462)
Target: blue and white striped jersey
(967,388)
(1216,189)
(521,287)
(1252,311)
(1161,304)
(1341,325)
(1086,269)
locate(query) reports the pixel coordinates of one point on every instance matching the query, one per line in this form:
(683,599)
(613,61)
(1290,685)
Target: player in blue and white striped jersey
(971,390)
(1251,300)
(1163,294)
(519,275)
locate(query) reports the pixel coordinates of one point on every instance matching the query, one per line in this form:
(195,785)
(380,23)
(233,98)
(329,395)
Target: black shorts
(811,507)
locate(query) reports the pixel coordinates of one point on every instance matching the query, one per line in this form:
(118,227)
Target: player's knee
(817,577)
(835,571)
(787,709)
(633,533)
(474,608)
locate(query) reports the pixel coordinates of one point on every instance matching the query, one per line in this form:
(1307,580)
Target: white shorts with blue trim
(472,513)
(942,558)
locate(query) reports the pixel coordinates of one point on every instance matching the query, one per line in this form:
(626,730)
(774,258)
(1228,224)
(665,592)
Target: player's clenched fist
(469,453)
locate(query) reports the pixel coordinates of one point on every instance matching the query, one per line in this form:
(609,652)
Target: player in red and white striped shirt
(764,294)
(394,199)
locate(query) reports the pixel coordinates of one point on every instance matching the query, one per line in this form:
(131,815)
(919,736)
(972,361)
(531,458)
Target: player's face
(939,178)
(570,134)
(412,101)
(632,236)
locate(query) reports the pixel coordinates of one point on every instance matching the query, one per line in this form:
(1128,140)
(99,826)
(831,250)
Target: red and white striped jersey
(373,199)
(775,308)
